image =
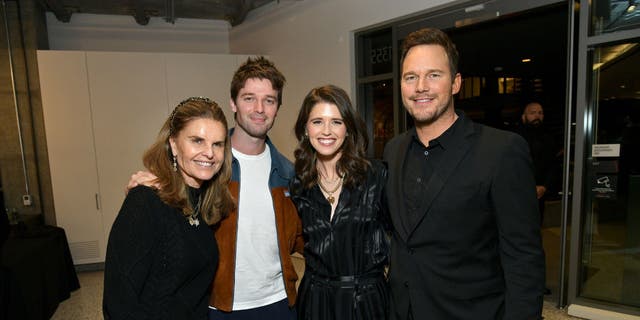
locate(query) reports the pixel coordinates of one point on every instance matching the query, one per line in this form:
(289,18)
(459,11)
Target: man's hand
(540,191)
(144,178)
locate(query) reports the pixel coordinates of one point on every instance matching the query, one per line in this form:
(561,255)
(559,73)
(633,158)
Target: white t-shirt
(258,276)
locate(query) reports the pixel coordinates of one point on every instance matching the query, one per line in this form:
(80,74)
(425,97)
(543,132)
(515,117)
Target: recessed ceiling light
(525,60)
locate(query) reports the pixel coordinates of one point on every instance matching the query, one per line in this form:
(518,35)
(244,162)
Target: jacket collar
(281,168)
(459,144)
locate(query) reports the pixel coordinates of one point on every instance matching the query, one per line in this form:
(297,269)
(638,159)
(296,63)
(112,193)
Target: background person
(338,193)
(466,241)
(542,149)
(161,255)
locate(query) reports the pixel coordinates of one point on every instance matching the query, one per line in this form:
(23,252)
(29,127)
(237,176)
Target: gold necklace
(330,182)
(329,193)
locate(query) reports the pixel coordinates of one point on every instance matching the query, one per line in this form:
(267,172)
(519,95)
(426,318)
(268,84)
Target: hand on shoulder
(144,178)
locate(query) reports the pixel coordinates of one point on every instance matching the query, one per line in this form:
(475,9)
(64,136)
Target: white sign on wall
(605,150)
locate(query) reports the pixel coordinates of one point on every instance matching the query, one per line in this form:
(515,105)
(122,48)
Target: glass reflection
(380,95)
(614,15)
(376,54)
(611,242)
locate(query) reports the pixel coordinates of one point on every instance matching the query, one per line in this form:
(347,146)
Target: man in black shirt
(466,239)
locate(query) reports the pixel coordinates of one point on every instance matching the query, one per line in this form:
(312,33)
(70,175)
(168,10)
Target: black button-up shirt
(420,164)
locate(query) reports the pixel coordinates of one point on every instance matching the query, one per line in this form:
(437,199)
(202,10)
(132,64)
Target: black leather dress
(345,256)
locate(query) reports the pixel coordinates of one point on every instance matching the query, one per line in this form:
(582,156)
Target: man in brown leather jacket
(255,277)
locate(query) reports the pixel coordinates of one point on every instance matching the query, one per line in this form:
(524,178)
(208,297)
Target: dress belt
(348,281)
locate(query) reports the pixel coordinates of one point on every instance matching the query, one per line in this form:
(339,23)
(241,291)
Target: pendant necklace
(193,218)
(329,193)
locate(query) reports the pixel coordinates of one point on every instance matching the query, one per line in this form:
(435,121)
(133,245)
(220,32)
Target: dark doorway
(505,64)
(510,61)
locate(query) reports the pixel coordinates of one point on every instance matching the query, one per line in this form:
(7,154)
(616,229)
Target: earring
(175,164)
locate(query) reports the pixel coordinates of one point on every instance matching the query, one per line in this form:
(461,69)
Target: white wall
(311,42)
(92,32)
(102,110)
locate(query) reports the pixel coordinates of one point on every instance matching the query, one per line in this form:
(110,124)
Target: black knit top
(158,266)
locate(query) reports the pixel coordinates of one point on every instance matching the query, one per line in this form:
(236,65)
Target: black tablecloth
(37,272)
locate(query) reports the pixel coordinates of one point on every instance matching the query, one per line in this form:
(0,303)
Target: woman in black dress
(161,255)
(338,193)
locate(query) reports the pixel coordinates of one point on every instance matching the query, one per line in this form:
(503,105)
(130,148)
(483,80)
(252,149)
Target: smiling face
(255,108)
(427,84)
(326,130)
(199,150)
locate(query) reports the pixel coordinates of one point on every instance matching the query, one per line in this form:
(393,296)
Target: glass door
(605,245)
(610,255)
(376,87)
(610,263)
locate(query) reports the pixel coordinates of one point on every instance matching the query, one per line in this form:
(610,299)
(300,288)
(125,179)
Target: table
(37,272)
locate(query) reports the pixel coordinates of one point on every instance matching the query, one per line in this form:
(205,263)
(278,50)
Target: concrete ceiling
(233,11)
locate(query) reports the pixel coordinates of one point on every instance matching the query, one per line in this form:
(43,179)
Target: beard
(259,132)
(534,123)
(424,117)
(252,129)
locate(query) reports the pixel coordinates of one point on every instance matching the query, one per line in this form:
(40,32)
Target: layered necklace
(329,192)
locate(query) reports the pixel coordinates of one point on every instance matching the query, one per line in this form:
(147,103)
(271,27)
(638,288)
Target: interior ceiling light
(525,60)
(612,53)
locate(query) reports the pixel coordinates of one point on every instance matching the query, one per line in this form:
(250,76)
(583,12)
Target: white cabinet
(128,107)
(101,111)
(72,161)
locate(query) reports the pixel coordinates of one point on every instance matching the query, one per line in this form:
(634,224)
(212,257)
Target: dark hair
(352,164)
(432,36)
(259,68)
(217,200)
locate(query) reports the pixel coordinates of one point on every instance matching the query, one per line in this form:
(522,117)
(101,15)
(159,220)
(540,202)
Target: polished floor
(86,302)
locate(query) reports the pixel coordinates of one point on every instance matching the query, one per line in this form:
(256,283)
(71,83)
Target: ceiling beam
(59,10)
(239,12)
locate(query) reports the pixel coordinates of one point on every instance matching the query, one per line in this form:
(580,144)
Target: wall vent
(84,250)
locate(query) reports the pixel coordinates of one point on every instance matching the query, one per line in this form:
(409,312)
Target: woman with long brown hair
(338,193)
(162,255)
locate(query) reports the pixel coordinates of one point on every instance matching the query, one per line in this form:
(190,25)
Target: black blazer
(476,252)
